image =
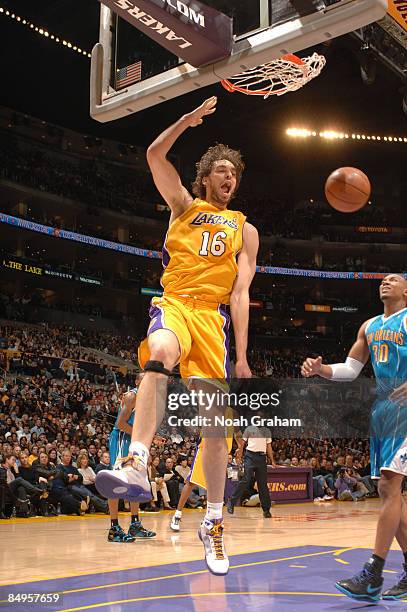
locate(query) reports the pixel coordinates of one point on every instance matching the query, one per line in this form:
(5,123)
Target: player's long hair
(204,167)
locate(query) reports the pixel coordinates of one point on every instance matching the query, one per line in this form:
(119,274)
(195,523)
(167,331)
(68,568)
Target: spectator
(20,488)
(104,462)
(34,454)
(321,490)
(171,479)
(158,485)
(44,467)
(364,484)
(38,428)
(53,458)
(88,475)
(34,476)
(92,454)
(62,492)
(194,500)
(75,483)
(326,470)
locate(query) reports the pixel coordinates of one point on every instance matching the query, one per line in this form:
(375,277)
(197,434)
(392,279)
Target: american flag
(128,75)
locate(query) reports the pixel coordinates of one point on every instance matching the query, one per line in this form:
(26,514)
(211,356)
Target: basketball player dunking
(189,324)
(384,339)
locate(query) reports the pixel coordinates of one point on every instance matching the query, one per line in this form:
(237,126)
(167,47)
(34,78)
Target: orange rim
(260,92)
(231,87)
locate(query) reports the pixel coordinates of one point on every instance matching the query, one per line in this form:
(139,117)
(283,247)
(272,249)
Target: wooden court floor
(72,555)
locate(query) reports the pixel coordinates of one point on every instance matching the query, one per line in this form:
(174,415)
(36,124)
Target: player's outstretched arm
(342,372)
(239,299)
(166,178)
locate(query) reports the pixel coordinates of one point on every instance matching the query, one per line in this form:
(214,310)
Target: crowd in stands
(280,256)
(90,181)
(30,346)
(66,341)
(26,307)
(281,362)
(99,183)
(55,350)
(54,439)
(55,426)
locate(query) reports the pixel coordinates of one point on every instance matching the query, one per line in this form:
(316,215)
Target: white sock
(178,513)
(141,451)
(214,511)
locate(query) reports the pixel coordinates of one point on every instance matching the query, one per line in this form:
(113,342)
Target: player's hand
(242,370)
(399,395)
(311,367)
(207,108)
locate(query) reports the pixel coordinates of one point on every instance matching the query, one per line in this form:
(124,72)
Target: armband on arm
(348,371)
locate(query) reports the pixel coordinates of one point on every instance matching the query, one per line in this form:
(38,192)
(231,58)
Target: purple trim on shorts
(156,312)
(188,478)
(165,254)
(225,328)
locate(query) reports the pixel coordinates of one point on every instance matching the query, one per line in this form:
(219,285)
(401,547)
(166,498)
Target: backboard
(131,72)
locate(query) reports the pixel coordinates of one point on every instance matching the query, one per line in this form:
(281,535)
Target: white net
(278,77)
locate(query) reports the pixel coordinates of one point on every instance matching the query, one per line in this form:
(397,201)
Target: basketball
(347,189)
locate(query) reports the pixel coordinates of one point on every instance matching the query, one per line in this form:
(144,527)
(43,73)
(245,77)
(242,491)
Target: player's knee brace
(156,366)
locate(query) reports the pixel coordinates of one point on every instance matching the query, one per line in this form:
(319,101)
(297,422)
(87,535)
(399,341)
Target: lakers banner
(189,29)
(398,10)
(289,484)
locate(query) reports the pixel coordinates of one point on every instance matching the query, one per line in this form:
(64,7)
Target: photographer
(345,485)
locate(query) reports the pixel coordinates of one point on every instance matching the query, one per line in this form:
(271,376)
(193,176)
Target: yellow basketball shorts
(202,330)
(197,476)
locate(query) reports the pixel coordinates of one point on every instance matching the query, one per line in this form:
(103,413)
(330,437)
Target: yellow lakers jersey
(199,252)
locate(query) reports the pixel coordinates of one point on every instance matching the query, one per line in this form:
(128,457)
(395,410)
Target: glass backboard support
(266,42)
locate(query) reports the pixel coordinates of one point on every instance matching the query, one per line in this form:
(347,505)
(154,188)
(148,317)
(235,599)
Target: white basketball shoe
(128,480)
(210,533)
(175,523)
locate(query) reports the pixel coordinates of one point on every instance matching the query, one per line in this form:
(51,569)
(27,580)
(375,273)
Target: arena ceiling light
(299,133)
(303,133)
(44,32)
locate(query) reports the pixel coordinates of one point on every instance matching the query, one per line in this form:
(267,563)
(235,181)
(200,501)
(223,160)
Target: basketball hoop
(278,77)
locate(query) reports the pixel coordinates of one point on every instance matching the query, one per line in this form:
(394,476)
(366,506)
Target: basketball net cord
(277,77)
